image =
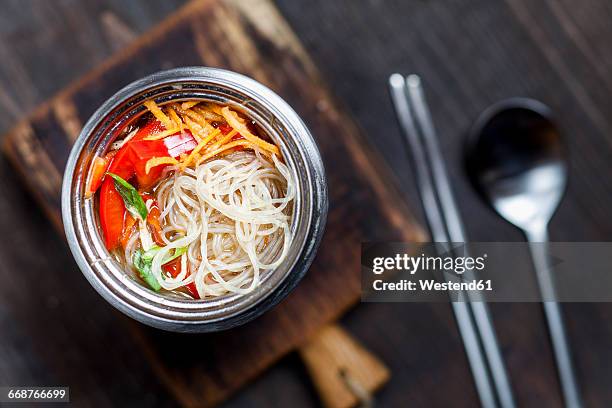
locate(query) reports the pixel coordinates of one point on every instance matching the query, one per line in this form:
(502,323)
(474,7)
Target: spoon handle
(538,245)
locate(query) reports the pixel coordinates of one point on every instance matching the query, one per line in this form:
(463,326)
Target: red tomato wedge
(122,163)
(144,150)
(153,126)
(112,214)
(112,209)
(174,268)
(130,161)
(141,151)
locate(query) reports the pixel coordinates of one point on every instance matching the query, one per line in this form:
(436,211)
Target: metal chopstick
(464,320)
(472,316)
(456,234)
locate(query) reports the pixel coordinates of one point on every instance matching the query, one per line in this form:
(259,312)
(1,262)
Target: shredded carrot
(196,116)
(197,122)
(237,123)
(162,134)
(154,225)
(223,140)
(156,161)
(175,118)
(198,148)
(225,147)
(158,113)
(215,109)
(193,115)
(189,104)
(209,114)
(197,131)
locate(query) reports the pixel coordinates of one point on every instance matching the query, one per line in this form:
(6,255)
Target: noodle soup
(194,199)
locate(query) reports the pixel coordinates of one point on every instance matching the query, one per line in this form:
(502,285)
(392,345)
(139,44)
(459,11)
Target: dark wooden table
(470,53)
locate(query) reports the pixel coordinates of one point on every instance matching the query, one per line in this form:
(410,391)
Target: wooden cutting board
(250,37)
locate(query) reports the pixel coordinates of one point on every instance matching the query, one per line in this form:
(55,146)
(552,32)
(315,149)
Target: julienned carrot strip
(225,147)
(154,225)
(175,118)
(157,161)
(159,114)
(223,140)
(161,135)
(209,114)
(237,123)
(193,115)
(199,147)
(189,104)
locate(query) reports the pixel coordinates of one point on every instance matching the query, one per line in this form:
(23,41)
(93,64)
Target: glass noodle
(232,214)
(219,212)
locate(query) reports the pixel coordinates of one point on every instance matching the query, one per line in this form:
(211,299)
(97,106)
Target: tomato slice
(112,214)
(112,209)
(131,161)
(132,158)
(152,126)
(174,268)
(121,164)
(141,151)
(191,288)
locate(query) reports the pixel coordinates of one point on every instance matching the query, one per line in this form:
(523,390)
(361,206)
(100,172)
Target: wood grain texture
(252,39)
(470,53)
(343,371)
(49,44)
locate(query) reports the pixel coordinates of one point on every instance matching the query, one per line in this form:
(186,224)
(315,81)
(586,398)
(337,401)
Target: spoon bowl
(516,160)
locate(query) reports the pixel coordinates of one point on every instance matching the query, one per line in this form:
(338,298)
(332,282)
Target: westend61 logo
(412,264)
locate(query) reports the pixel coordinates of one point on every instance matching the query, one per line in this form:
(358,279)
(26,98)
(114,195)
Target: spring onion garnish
(144,259)
(177,252)
(132,200)
(143,266)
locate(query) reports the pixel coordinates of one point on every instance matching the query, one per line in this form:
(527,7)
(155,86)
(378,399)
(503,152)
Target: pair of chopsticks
(471,312)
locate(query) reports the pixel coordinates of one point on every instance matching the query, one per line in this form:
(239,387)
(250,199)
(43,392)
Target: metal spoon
(516,160)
